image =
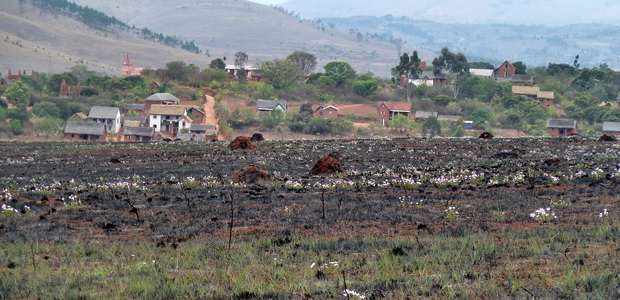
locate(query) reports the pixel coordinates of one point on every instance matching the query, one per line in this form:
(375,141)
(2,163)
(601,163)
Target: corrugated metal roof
(162,97)
(561,123)
(481,72)
(611,126)
(134,106)
(270,104)
(425,114)
(208,129)
(140,131)
(103,112)
(84,128)
(448,118)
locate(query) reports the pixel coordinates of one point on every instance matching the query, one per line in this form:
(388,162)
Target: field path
(211,116)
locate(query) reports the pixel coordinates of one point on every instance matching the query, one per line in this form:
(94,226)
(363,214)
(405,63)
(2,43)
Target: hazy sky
(268,2)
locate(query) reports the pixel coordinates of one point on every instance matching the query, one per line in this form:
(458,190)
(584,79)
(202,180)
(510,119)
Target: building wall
(559,132)
(383,113)
(614,133)
(328,113)
(505,71)
(547,102)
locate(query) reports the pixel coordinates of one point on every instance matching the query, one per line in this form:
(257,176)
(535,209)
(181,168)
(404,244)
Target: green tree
(337,73)
(217,64)
(15,127)
(409,68)
(454,65)
(176,70)
(402,123)
(304,61)
(520,67)
(46,109)
(431,126)
(49,125)
(241,58)
(457,129)
(273,118)
(280,73)
(480,116)
(18,95)
(365,87)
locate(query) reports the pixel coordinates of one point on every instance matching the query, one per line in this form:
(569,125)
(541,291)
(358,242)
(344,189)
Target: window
(154,116)
(382,112)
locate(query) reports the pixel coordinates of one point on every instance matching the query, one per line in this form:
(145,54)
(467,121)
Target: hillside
(535,45)
(34,40)
(549,12)
(263,32)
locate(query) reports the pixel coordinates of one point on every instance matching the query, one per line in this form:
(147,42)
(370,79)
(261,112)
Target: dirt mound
(326,165)
(257,137)
(250,174)
(486,135)
(607,138)
(242,142)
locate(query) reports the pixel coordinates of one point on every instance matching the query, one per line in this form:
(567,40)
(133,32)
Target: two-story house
(110,116)
(169,119)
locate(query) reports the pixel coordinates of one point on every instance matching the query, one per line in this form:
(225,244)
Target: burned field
(435,218)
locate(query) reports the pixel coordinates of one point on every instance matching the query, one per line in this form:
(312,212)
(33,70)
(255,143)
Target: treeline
(100,21)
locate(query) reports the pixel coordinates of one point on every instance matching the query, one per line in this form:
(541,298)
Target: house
(153,85)
(85,131)
(4,81)
(505,70)
(161,99)
(71,90)
(13,77)
(386,110)
(79,116)
(328,112)
(611,128)
(483,73)
(266,106)
(252,73)
(430,79)
(130,121)
(110,116)
(197,114)
(425,114)
(138,134)
(133,107)
(129,69)
(201,132)
(534,92)
(522,78)
(561,127)
(169,119)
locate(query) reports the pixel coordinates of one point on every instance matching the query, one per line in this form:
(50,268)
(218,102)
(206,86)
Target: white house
(169,118)
(110,116)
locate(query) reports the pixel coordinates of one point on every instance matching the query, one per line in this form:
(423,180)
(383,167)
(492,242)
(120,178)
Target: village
(162,116)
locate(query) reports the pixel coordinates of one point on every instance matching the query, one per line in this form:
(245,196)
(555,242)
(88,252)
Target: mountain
(224,27)
(535,45)
(548,12)
(32,39)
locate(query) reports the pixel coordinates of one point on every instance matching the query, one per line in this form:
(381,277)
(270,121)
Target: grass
(545,262)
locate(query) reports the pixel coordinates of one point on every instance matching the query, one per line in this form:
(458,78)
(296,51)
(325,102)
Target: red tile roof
(396,106)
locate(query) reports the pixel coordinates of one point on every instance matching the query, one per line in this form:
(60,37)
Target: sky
(269,2)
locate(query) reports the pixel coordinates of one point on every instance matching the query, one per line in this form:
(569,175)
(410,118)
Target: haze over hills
(224,27)
(548,12)
(34,40)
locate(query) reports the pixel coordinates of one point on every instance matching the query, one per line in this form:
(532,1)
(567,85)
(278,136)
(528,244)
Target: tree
(365,87)
(304,61)
(241,58)
(409,68)
(520,67)
(402,123)
(176,70)
(18,94)
(217,64)
(431,126)
(480,116)
(337,73)
(280,73)
(449,62)
(455,65)
(15,127)
(46,109)
(457,129)
(274,118)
